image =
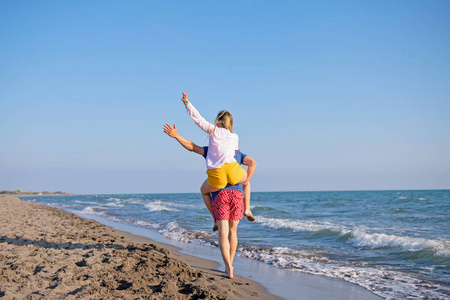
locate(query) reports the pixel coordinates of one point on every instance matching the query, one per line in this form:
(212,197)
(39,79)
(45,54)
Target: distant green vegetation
(6,192)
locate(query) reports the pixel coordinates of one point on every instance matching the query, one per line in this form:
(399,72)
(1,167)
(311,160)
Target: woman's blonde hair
(225,119)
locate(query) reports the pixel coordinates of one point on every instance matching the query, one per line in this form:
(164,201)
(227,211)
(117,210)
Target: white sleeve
(198,119)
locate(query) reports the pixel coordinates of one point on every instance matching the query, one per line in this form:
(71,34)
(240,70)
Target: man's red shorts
(228,205)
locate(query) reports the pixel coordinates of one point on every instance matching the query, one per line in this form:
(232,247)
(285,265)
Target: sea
(393,243)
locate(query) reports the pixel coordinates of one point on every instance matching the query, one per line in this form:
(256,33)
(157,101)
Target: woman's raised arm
(195,115)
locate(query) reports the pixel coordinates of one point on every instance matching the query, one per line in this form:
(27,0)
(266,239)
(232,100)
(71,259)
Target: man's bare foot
(215,227)
(228,273)
(249,216)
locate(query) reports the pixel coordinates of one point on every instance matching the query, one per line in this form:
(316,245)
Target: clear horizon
(326,96)
(324,191)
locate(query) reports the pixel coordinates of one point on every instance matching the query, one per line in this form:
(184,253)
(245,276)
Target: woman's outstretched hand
(185,98)
(172,132)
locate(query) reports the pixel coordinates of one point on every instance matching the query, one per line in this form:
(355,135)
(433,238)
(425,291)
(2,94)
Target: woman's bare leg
(206,191)
(247,211)
(224,246)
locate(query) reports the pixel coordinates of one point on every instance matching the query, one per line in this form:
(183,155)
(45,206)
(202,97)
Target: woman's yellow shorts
(230,173)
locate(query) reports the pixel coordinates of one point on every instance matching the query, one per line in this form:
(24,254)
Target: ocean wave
(86,202)
(175,232)
(113,199)
(114,204)
(62,205)
(116,219)
(147,224)
(159,206)
(359,237)
(134,201)
(379,240)
(385,283)
(93,211)
(295,225)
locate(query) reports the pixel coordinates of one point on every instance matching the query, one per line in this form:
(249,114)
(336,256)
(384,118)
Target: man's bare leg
(224,246)
(233,240)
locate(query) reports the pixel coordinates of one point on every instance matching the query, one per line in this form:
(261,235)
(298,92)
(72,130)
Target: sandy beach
(48,253)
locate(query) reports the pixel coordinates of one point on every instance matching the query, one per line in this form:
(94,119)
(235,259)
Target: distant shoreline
(20,193)
(25,194)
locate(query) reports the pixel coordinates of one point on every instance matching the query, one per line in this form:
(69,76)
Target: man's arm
(189,145)
(251,164)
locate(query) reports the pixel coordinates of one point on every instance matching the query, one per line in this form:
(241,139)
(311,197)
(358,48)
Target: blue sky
(326,95)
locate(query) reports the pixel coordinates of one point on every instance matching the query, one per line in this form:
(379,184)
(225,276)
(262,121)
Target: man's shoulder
(239,156)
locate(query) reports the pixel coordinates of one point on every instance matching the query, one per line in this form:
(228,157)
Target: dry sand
(48,253)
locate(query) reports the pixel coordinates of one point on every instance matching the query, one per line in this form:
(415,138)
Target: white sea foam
(379,240)
(62,205)
(113,199)
(116,219)
(134,200)
(359,237)
(295,225)
(147,224)
(175,232)
(114,204)
(93,211)
(386,283)
(159,206)
(86,202)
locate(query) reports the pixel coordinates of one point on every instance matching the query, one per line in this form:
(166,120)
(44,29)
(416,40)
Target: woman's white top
(222,142)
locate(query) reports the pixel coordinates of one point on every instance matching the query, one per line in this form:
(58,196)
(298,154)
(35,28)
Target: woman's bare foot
(228,273)
(249,216)
(215,227)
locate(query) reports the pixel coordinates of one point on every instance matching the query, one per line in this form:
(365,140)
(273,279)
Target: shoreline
(51,253)
(281,282)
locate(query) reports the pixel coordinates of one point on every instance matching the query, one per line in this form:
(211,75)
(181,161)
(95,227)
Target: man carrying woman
(227,204)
